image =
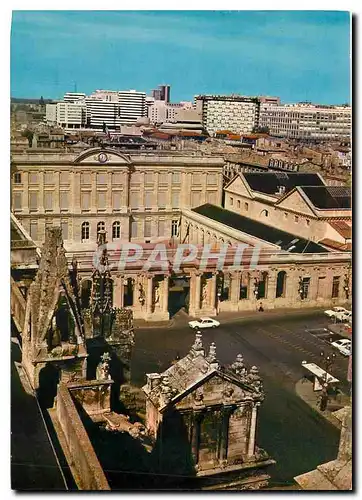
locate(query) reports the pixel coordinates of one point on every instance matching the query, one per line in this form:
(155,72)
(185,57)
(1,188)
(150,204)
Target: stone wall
(85,463)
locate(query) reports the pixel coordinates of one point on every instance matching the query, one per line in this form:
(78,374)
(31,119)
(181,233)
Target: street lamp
(327,362)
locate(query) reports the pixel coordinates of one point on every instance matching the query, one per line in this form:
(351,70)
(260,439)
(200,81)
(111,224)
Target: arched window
(85,231)
(100,227)
(265,213)
(116,230)
(280,289)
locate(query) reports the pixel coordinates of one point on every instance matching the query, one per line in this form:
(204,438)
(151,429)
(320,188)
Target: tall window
(163,178)
(48,201)
(176,177)
(174,227)
(100,227)
(195,198)
(48,178)
(264,213)
(231,201)
(148,229)
(148,199)
(149,178)
(101,200)
(246,206)
(17,178)
(17,201)
(134,229)
(196,178)
(64,228)
(162,199)
(335,287)
(116,230)
(85,200)
(161,227)
(102,178)
(33,200)
(175,199)
(33,178)
(211,179)
(64,177)
(34,229)
(305,287)
(86,178)
(63,199)
(116,200)
(134,195)
(85,231)
(280,291)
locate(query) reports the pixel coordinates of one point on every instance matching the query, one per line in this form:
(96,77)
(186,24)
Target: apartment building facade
(306,121)
(238,114)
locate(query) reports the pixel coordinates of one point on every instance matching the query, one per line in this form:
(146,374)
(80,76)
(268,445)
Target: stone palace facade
(148,199)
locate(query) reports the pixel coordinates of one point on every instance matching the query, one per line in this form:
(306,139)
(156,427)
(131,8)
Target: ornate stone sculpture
(254,379)
(238,366)
(104,367)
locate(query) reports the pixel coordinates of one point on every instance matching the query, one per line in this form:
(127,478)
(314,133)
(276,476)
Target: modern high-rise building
(132,105)
(73,96)
(238,114)
(306,121)
(67,114)
(162,93)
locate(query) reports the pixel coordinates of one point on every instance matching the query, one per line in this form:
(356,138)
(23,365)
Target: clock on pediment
(102,158)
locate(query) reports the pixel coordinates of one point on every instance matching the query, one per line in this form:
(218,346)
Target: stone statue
(104,367)
(157,295)
(211,358)
(141,293)
(197,345)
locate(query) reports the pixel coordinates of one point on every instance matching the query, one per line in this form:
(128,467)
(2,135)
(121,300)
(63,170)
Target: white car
(344,346)
(344,317)
(331,313)
(204,323)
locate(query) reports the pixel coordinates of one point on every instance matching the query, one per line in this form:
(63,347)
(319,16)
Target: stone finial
(254,379)
(103,367)
(197,346)
(211,358)
(238,366)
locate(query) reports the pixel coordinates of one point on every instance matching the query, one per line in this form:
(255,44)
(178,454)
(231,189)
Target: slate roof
(269,182)
(329,197)
(343,228)
(259,230)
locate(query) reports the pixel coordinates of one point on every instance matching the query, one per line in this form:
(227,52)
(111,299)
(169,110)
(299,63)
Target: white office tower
(132,105)
(307,121)
(73,96)
(101,112)
(68,115)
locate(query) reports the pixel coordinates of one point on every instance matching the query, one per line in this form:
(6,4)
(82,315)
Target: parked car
(204,323)
(331,313)
(344,346)
(344,317)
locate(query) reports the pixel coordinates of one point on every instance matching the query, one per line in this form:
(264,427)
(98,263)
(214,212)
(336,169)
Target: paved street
(292,432)
(33,463)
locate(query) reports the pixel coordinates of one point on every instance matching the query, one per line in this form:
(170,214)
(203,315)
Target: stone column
(149,296)
(251,446)
(212,291)
(195,292)
(235,287)
(197,298)
(271,285)
(195,435)
(118,291)
(165,294)
(224,435)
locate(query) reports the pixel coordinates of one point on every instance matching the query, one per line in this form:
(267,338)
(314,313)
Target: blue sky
(297,55)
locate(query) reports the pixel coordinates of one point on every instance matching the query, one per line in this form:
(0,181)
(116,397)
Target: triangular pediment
(102,156)
(238,186)
(215,388)
(296,202)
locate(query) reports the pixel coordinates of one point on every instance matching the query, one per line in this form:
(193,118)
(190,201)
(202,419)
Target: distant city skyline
(296,55)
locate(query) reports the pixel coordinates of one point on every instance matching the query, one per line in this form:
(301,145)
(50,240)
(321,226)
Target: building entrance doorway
(179,294)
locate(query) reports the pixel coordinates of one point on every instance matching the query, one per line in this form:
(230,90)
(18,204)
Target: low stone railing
(89,474)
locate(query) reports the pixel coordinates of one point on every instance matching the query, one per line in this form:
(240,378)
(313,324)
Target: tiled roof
(336,245)
(269,182)
(257,229)
(328,197)
(343,228)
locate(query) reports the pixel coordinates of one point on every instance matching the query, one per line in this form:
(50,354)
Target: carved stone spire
(211,358)
(238,366)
